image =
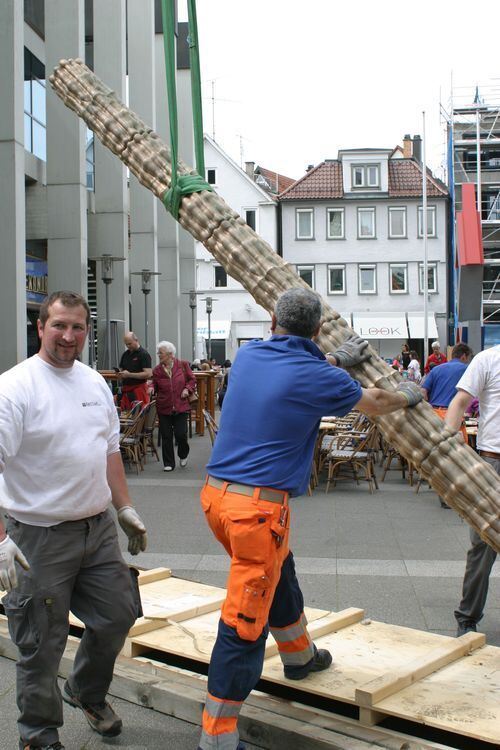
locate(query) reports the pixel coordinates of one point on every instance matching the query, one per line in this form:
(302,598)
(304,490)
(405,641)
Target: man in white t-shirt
(481,380)
(61,468)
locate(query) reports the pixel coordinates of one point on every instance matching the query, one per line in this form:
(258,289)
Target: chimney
(417,148)
(407,146)
(309,167)
(250,168)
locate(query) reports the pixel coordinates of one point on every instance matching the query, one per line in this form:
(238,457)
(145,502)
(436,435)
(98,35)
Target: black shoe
(466,626)
(100,716)
(54,746)
(320,661)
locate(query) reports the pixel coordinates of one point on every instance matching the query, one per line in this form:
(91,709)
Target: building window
(211,176)
(336,280)
(306,273)
(397,222)
(365,176)
(220,276)
(34,106)
(304,223)
(366,223)
(250,218)
(367,279)
(90,160)
(431,278)
(335,224)
(398,278)
(431,221)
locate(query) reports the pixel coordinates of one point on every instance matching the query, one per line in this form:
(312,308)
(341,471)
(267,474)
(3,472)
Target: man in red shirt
(436,358)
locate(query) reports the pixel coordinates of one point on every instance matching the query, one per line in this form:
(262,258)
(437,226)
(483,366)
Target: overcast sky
(296,80)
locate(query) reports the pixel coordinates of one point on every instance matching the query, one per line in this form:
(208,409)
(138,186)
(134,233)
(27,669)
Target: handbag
(192,397)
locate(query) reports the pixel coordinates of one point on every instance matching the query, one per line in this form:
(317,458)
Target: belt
(265,493)
(490,454)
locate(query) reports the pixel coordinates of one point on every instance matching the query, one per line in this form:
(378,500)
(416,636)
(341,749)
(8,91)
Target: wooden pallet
(384,670)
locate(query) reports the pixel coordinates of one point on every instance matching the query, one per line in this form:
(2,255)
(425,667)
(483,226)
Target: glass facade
(34,106)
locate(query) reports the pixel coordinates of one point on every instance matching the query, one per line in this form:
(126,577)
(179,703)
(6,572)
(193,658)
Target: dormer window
(365,176)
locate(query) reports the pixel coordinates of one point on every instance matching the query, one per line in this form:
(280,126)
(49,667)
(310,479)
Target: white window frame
(431,221)
(430,265)
(366,266)
(219,265)
(405,267)
(365,180)
(390,211)
(335,267)
(367,210)
(340,236)
(211,169)
(298,212)
(301,267)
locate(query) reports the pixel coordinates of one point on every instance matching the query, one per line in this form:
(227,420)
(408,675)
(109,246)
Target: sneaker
(320,661)
(54,746)
(466,626)
(168,468)
(100,716)
(183,462)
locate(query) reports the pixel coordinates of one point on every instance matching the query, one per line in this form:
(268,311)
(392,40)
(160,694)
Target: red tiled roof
(324,182)
(272,178)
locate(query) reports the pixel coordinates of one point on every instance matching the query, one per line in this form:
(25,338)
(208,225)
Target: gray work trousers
(480,559)
(75,565)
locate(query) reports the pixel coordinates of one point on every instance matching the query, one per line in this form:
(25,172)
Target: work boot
(100,716)
(466,626)
(241,746)
(54,746)
(320,661)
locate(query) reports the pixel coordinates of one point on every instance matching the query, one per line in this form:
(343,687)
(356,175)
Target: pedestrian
(61,468)
(405,357)
(481,380)
(279,389)
(135,371)
(436,358)
(226,369)
(414,373)
(439,386)
(174,384)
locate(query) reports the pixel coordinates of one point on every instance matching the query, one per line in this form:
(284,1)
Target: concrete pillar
(66,182)
(12,204)
(111,200)
(143,204)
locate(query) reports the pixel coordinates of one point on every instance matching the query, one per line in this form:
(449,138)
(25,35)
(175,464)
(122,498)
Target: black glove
(352,352)
(411,392)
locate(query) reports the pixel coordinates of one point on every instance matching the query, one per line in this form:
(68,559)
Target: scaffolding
(472,119)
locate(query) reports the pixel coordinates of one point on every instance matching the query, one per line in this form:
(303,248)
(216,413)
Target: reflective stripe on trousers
(219,724)
(294,643)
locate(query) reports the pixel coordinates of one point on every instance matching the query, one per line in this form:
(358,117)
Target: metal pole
(209,352)
(145,321)
(424,232)
(107,361)
(478,160)
(193,331)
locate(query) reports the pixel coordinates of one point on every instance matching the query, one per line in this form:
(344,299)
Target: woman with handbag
(175,388)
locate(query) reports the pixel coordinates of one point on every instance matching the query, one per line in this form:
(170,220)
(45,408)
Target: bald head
(131,341)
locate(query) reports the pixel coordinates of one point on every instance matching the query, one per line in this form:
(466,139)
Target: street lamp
(106,261)
(193,305)
(208,310)
(145,275)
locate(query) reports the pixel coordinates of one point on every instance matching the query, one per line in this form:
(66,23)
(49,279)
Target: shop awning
(219,329)
(380,325)
(416,326)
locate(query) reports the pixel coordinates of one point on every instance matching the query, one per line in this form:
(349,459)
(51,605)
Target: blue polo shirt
(277,393)
(441,382)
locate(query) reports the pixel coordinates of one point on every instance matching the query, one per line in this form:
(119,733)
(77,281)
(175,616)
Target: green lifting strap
(181,185)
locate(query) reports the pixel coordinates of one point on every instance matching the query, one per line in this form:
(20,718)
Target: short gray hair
(435,344)
(298,311)
(166,345)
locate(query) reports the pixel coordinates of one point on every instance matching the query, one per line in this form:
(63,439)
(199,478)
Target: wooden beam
(155,574)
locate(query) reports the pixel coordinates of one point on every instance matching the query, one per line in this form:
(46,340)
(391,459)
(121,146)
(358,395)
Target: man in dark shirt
(135,371)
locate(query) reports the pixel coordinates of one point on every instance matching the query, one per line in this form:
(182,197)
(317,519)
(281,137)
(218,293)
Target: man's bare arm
(456,409)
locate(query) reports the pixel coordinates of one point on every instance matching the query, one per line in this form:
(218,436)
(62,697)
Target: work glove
(129,520)
(9,555)
(411,392)
(352,352)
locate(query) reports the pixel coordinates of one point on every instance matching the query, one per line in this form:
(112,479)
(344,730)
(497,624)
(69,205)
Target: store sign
(36,280)
(381,326)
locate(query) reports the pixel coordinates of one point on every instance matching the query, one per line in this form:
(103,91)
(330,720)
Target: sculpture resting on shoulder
(454,470)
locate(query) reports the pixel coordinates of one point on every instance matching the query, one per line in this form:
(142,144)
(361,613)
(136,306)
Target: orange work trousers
(441,412)
(251,532)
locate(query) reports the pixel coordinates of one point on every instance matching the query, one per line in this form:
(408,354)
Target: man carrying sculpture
(61,467)
(278,391)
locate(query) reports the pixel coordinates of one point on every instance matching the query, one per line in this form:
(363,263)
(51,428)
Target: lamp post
(193,305)
(208,310)
(106,261)
(145,275)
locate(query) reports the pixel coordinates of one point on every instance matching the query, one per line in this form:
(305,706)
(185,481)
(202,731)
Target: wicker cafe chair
(212,426)
(148,430)
(352,451)
(131,440)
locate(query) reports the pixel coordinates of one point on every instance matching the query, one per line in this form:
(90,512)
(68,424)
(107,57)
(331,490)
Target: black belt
(265,493)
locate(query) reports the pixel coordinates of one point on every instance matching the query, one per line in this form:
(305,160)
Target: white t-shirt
(482,380)
(57,427)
